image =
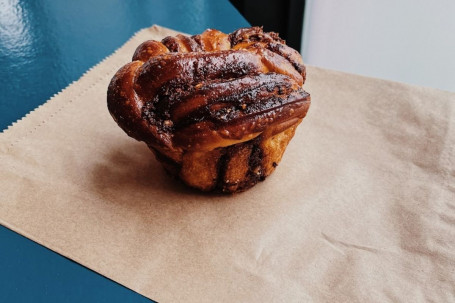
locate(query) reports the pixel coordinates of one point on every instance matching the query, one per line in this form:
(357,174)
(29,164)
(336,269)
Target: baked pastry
(217,110)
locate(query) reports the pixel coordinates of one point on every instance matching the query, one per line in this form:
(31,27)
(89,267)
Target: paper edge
(71,257)
(34,114)
(395,82)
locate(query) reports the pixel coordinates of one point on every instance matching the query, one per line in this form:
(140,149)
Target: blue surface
(44,46)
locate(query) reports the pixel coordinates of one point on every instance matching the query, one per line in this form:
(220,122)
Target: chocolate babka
(217,110)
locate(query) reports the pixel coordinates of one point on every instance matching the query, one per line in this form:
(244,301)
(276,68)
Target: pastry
(217,110)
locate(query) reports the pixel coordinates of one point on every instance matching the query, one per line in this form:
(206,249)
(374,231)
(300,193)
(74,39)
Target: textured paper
(361,209)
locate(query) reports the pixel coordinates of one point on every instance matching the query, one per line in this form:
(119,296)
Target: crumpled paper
(361,208)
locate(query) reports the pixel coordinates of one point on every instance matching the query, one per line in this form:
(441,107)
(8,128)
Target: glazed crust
(218,110)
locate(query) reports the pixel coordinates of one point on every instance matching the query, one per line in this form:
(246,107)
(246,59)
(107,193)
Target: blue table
(44,46)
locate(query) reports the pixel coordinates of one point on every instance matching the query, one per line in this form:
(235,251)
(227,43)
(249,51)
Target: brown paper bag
(361,209)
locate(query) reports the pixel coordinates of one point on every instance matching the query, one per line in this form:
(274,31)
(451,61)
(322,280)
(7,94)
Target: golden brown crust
(208,105)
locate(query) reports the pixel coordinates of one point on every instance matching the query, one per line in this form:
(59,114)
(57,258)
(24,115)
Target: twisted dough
(213,90)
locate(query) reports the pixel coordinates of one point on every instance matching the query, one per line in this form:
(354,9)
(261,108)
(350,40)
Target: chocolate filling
(255,171)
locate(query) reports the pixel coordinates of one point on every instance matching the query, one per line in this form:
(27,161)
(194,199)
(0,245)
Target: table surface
(44,46)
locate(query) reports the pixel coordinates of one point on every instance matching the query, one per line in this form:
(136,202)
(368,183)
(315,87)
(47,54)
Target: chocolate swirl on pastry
(217,110)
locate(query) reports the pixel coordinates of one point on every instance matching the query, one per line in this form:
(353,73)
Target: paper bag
(361,208)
